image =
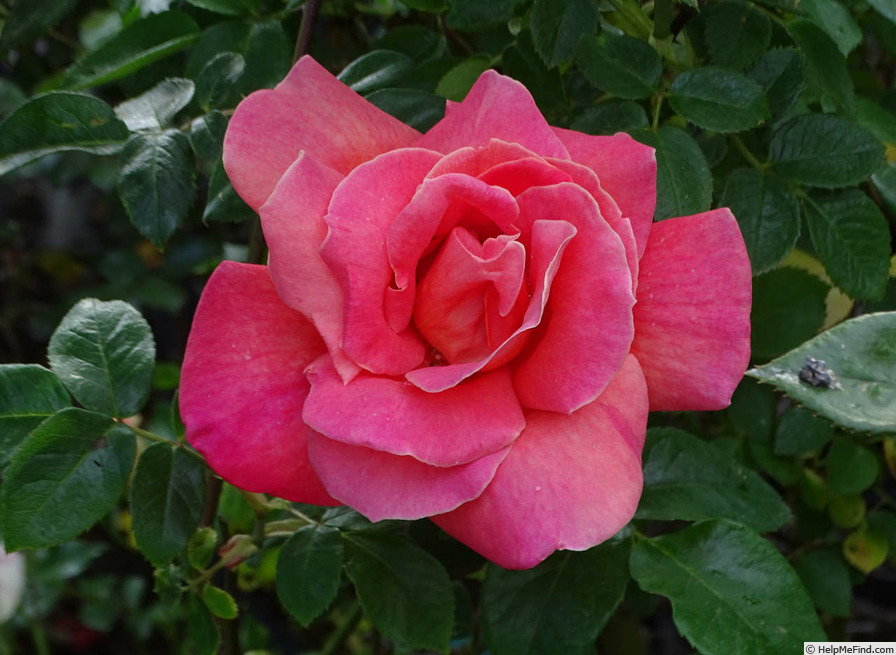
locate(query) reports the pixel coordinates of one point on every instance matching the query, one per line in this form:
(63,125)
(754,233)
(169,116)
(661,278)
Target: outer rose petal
(627,171)
(309,110)
(497,107)
(692,320)
(243,386)
(454,427)
(384,486)
(569,481)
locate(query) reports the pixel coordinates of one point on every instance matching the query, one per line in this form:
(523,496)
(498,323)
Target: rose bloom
(468,325)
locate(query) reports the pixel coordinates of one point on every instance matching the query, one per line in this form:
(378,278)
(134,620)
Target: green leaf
(167,497)
(860,354)
(557,26)
(851,468)
(719,100)
(201,547)
(204,637)
(800,432)
(824,151)
(767,212)
(876,119)
(556,608)
(737,33)
(309,568)
(884,181)
(155,108)
(156,182)
(826,578)
(377,69)
(64,477)
(217,85)
(611,117)
(684,181)
(417,42)
(103,352)
(688,479)
(619,64)
(224,204)
(851,238)
(788,308)
(456,83)
(404,590)
(782,75)
(228,7)
(58,122)
(419,109)
(836,21)
(886,8)
(732,592)
(207,135)
(522,63)
(219,602)
(475,15)
(28,394)
(29,19)
(139,44)
(825,63)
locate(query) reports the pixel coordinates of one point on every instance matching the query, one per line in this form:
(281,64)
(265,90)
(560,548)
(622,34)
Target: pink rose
(468,325)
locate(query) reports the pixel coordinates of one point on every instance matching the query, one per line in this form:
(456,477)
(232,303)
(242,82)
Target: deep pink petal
(692,320)
(294,229)
(475,161)
(446,429)
(497,107)
(384,486)
(627,171)
(589,328)
(517,176)
(361,213)
(242,386)
(310,110)
(569,481)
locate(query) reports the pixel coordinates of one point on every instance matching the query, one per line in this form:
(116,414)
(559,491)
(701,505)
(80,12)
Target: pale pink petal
(627,171)
(692,320)
(310,110)
(363,208)
(589,327)
(294,229)
(497,107)
(385,486)
(242,386)
(446,429)
(569,481)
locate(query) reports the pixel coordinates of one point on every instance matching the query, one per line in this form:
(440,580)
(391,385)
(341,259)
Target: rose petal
(627,171)
(476,161)
(517,176)
(590,327)
(243,387)
(454,427)
(294,228)
(569,481)
(310,110)
(384,486)
(692,320)
(497,107)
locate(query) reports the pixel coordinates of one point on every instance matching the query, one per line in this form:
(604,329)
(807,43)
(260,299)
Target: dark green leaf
(851,238)
(167,497)
(456,83)
(224,204)
(103,352)
(825,63)
(800,432)
(752,411)
(29,19)
(851,468)
(782,75)
(228,7)
(404,590)
(719,100)
(884,181)
(836,21)
(207,135)
(201,547)
(522,63)
(28,394)
(202,631)
(689,479)
(611,117)
(377,69)
(433,6)
(826,577)
(11,97)
(57,122)
(788,308)
(886,8)
(218,82)
(824,151)
(419,109)
(621,65)
(731,591)
(219,602)
(557,26)
(475,15)
(136,46)
(737,33)
(876,119)
(309,568)
(154,109)
(883,522)
(65,476)
(559,606)
(767,212)
(860,355)
(684,181)
(417,42)
(156,182)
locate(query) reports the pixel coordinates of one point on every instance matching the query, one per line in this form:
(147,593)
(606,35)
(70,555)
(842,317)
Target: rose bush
(468,325)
